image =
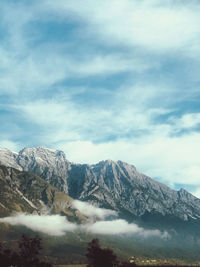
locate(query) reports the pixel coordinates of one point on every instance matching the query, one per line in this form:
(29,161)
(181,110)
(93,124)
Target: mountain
(40,181)
(26,192)
(108,184)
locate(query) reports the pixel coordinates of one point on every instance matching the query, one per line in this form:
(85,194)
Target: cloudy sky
(104,79)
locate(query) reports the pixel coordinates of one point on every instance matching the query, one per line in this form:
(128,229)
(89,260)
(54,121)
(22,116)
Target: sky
(104,79)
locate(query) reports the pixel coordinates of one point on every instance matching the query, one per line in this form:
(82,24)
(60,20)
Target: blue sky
(115,79)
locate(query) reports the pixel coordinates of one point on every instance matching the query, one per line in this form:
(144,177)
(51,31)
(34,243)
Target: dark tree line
(28,254)
(103,257)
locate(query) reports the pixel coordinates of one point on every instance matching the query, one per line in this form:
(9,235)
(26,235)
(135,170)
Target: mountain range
(108,184)
(42,181)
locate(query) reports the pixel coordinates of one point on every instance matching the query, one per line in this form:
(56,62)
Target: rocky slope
(25,192)
(48,164)
(115,185)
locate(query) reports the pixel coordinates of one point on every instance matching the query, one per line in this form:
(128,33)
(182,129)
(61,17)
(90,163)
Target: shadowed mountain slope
(26,192)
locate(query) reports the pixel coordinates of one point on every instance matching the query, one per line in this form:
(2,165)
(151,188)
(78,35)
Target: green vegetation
(105,257)
(27,253)
(71,248)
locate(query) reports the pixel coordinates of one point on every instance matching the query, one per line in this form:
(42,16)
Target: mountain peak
(43,153)
(37,150)
(182,190)
(107,161)
(6,150)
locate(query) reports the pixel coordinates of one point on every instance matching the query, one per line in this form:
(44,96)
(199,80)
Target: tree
(98,257)
(8,257)
(29,250)
(28,256)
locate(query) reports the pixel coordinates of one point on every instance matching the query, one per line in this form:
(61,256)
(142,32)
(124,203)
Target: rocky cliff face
(120,186)
(115,185)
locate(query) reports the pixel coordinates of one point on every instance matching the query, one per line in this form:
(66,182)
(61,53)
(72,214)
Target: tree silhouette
(98,257)
(8,257)
(28,256)
(29,250)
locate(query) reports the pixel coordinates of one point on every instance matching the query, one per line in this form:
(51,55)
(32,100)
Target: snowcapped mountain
(109,184)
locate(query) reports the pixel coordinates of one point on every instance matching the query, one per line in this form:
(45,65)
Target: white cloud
(120,226)
(152,25)
(107,65)
(123,115)
(56,225)
(92,211)
(35,72)
(38,68)
(26,68)
(44,68)
(187,121)
(114,227)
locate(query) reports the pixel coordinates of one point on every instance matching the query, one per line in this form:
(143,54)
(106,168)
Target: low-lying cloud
(120,226)
(56,225)
(92,211)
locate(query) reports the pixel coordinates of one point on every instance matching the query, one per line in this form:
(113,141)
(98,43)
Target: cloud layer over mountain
(92,211)
(56,225)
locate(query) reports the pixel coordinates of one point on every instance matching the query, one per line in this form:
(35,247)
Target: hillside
(28,193)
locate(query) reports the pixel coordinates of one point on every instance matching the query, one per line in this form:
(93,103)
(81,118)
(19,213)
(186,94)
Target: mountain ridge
(109,184)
